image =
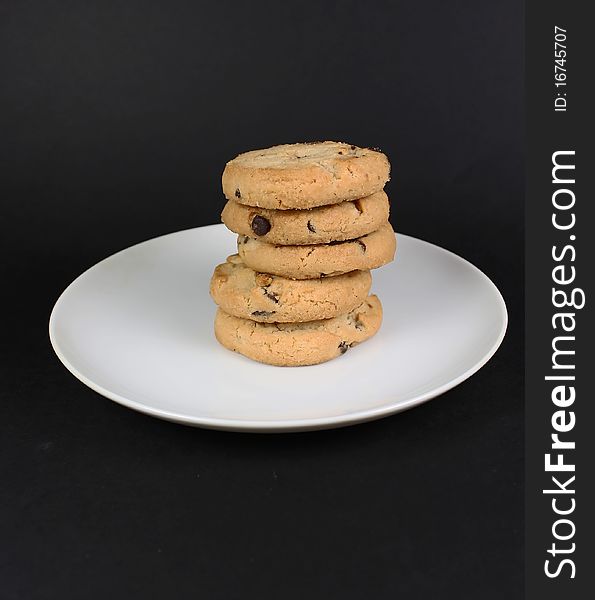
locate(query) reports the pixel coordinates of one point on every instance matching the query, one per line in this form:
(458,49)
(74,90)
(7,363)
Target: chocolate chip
(311,227)
(260,225)
(353,147)
(340,152)
(343,347)
(238,193)
(362,246)
(272,296)
(263,313)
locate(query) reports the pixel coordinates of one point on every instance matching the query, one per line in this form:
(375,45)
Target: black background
(116,121)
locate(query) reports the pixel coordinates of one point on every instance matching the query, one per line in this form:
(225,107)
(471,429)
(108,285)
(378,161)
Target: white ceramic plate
(138,328)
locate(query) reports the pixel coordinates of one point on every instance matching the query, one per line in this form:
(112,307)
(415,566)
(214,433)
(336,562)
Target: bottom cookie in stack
(299,344)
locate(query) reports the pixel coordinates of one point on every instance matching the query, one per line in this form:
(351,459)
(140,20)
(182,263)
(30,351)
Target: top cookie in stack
(303,212)
(304,175)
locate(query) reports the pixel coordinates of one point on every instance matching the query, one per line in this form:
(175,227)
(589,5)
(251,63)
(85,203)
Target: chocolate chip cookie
(304,175)
(337,222)
(245,293)
(309,262)
(298,344)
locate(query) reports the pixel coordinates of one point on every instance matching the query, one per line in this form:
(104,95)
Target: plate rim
(289,425)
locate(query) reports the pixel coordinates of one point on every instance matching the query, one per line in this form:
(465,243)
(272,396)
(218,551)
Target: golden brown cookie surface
(336,222)
(322,260)
(299,344)
(300,176)
(247,294)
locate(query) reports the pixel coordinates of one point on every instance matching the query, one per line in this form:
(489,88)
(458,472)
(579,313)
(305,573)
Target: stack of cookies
(312,221)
